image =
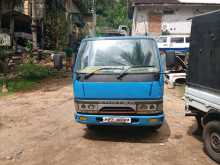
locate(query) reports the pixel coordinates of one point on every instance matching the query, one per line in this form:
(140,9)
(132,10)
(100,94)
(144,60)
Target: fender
(210,116)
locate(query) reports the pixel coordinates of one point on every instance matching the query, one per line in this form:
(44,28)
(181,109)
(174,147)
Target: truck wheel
(211,137)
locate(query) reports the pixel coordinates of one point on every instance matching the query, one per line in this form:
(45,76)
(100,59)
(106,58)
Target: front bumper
(135,120)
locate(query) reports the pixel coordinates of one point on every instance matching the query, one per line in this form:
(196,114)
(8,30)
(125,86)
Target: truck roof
(204,14)
(179,35)
(117,38)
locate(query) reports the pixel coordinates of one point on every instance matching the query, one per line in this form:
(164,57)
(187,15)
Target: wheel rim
(215,141)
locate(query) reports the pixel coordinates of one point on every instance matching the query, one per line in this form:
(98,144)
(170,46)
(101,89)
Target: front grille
(118,110)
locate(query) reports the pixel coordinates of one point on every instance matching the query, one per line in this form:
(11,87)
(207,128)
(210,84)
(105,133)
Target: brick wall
(155,24)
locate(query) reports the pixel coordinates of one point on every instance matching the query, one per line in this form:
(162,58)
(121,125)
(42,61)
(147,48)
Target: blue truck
(119,81)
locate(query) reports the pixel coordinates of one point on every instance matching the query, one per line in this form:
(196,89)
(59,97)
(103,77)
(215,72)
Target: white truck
(202,94)
(174,43)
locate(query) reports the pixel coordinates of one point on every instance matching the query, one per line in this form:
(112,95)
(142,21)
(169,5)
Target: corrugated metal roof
(156,2)
(211,2)
(201,1)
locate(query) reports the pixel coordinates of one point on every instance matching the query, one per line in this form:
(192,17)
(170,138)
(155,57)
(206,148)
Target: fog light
(83,118)
(153,120)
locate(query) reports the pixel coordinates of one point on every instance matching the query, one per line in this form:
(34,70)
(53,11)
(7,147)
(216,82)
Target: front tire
(211,135)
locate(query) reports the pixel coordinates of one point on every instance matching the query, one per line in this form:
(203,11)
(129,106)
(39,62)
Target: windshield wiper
(103,68)
(124,72)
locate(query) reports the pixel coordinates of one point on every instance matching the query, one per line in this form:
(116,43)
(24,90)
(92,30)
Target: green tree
(113,13)
(56,25)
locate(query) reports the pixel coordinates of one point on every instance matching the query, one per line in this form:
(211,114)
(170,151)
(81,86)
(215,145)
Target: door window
(187,39)
(177,40)
(162,40)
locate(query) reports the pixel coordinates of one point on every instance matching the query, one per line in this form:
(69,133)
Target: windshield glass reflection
(118,54)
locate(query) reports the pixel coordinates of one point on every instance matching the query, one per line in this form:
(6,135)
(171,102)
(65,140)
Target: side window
(187,39)
(177,40)
(162,40)
(124,28)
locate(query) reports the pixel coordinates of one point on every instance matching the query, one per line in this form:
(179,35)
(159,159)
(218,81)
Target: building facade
(156,17)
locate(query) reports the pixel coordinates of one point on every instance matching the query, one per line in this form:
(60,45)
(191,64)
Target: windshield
(118,55)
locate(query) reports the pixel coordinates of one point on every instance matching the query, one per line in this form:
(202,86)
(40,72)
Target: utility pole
(34,24)
(94,17)
(1,8)
(12,23)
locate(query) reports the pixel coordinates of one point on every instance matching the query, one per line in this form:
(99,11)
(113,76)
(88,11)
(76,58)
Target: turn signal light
(83,118)
(153,120)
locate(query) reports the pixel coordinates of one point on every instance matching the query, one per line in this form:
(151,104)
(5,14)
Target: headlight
(87,107)
(149,108)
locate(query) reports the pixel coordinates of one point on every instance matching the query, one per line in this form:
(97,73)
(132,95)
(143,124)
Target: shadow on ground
(129,134)
(54,83)
(192,132)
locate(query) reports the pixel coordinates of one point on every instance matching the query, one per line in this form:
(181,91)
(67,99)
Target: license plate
(116,120)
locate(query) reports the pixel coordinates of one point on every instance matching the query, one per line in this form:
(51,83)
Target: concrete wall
(175,23)
(140,21)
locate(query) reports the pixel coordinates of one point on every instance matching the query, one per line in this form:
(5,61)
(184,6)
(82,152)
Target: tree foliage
(112,13)
(55,25)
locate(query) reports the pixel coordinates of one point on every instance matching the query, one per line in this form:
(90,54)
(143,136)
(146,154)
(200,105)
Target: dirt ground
(37,128)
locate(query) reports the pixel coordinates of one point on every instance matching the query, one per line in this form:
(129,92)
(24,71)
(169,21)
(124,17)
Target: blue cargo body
(119,81)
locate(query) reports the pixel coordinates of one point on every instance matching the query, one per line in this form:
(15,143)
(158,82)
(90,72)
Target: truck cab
(119,81)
